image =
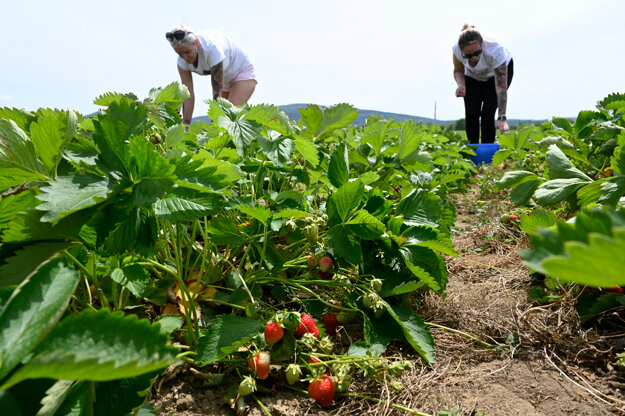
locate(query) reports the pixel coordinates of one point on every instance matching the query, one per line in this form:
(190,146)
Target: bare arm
(501,87)
(217,79)
(461,91)
(187,107)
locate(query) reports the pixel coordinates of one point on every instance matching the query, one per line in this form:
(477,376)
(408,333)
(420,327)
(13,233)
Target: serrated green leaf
(345,244)
(174,92)
(420,207)
(271,117)
(321,122)
(409,139)
(557,190)
(51,133)
(343,201)
(501,155)
(291,213)
(260,213)
(561,167)
(416,332)
(308,150)
(26,260)
(18,159)
(338,170)
(67,194)
(125,396)
(522,193)
(279,151)
(224,231)
(365,225)
(515,178)
(225,335)
(541,218)
(170,323)
(12,204)
(32,311)
(134,278)
(562,123)
(98,346)
(600,263)
(184,204)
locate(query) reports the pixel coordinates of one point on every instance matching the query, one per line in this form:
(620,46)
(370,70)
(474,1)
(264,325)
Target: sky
(391,55)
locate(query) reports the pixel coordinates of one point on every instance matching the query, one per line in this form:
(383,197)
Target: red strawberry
(273,332)
(322,390)
(307,325)
(259,363)
(312,260)
(313,359)
(331,322)
(325,264)
(614,289)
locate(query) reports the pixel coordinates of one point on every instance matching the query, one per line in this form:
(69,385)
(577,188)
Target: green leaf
(365,225)
(338,171)
(271,117)
(260,213)
(321,122)
(416,332)
(522,193)
(409,140)
(26,260)
(224,231)
(562,123)
(279,151)
(344,201)
(420,207)
(134,278)
(32,311)
(557,190)
(308,150)
(67,194)
(19,161)
(98,346)
(51,133)
(600,263)
(174,92)
(243,132)
(541,218)
(184,204)
(20,116)
(500,156)
(170,323)
(12,204)
(561,167)
(515,178)
(225,335)
(345,244)
(207,174)
(121,397)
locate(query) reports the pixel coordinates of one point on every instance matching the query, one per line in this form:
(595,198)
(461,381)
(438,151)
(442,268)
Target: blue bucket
(484,152)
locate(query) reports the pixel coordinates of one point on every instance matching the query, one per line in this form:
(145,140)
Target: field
(259,266)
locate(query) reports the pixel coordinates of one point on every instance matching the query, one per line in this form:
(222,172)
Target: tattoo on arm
(501,87)
(217,79)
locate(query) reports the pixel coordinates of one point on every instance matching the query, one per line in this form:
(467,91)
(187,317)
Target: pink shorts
(246,74)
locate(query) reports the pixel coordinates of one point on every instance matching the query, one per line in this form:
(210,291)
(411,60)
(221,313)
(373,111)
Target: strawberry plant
(217,234)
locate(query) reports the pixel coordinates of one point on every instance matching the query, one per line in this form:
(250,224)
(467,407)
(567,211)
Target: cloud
(5,97)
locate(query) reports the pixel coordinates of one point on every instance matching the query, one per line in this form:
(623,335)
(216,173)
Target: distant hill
(292,111)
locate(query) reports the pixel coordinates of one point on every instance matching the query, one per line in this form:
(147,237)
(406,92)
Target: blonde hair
(189,38)
(468,35)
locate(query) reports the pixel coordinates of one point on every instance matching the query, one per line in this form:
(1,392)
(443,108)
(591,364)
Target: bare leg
(241,91)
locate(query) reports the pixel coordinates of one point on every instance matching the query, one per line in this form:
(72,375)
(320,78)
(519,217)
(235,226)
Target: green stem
(261,405)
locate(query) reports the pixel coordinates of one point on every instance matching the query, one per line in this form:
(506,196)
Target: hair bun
(467,26)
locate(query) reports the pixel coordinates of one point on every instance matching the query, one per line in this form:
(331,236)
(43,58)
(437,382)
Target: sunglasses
(178,35)
(471,55)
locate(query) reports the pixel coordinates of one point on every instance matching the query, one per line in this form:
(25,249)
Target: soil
(547,362)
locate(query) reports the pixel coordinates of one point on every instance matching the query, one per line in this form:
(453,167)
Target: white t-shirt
(493,55)
(214,48)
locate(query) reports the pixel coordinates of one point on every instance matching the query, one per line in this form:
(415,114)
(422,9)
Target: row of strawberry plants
(571,181)
(226,235)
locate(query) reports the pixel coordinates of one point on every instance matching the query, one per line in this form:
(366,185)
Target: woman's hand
(461,91)
(502,125)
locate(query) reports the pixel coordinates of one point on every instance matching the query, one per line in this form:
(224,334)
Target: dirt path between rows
(548,364)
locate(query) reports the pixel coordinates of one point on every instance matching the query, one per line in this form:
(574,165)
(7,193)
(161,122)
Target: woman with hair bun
(212,53)
(483,70)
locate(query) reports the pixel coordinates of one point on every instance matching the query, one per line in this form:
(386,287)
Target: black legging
(480,101)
